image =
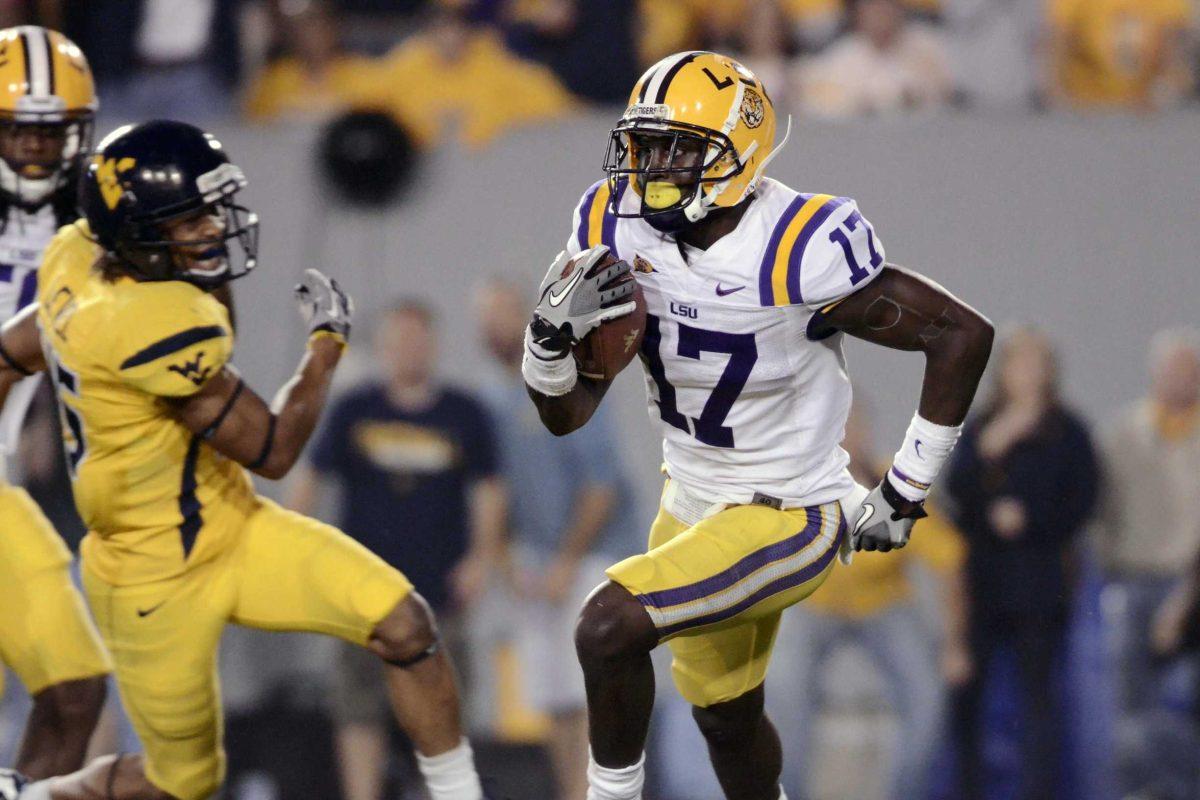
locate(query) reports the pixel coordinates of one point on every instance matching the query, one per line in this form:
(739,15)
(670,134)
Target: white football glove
(885,520)
(323,304)
(570,308)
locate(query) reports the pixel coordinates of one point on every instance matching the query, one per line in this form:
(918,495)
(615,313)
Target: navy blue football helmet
(144,176)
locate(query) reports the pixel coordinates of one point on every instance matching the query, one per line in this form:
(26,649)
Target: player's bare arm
(562,414)
(20,349)
(905,311)
(268,439)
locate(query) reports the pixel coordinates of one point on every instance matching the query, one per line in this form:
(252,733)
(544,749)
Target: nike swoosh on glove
(886,520)
(571,307)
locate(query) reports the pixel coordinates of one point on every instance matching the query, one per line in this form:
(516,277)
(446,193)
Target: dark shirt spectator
(405,475)
(589,45)
(1025,481)
(416,465)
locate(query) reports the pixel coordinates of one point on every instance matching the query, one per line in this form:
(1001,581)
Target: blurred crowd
(473,69)
(1039,637)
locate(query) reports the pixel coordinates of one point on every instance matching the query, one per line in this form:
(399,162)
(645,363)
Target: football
(608,349)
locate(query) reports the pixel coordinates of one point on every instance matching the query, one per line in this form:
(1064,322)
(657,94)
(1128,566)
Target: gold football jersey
(154,496)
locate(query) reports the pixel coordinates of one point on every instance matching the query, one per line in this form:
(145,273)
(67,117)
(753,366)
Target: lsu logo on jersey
(192,369)
(107,171)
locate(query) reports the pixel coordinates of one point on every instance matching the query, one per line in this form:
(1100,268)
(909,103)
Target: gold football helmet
(47,110)
(688,103)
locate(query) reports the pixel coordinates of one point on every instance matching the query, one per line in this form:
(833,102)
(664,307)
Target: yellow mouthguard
(662,194)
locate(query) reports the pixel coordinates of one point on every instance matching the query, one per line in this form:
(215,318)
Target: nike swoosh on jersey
(145,612)
(721,292)
(557,298)
(917,447)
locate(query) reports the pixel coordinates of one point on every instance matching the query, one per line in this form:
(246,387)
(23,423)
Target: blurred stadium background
(1038,157)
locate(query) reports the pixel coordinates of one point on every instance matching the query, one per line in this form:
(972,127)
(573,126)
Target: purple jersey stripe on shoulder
(751,563)
(775,587)
(766,296)
(795,296)
(608,233)
(585,208)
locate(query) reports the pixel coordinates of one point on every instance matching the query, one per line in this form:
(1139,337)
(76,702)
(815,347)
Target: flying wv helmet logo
(192,370)
(108,171)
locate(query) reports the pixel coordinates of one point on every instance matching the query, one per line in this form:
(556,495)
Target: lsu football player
(750,289)
(161,433)
(47,103)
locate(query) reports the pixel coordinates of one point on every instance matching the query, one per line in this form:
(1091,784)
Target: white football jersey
(750,395)
(22,240)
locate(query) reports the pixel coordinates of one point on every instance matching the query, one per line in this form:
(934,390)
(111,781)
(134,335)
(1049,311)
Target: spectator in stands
(887,63)
(454,72)
(1118,53)
(872,604)
(311,77)
(1150,532)
(590,46)
(753,31)
(993,46)
(1025,480)
(571,517)
(159,59)
(416,465)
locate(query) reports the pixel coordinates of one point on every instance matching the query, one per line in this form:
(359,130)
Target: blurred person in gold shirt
(455,78)
(313,78)
(1118,53)
(873,604)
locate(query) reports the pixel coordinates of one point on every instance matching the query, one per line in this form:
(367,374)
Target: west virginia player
(749,286)
(47,102)
(160,430)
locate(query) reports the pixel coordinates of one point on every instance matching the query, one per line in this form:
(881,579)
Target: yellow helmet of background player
(717,104)
(46,89)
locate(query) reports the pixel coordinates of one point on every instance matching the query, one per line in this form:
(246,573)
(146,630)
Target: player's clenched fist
(577,295)
(886,519)
(324,305)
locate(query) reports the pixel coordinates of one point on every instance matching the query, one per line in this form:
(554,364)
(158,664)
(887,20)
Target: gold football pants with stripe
(284,572)
(715,590)
(46,635)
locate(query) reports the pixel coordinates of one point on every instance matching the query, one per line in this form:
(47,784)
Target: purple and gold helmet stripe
(779,273)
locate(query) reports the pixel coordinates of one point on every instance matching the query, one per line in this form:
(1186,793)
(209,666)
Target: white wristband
(925,451)
(549,376)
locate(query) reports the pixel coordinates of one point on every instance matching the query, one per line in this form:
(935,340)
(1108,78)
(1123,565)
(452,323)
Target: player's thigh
(742,564)
(298,574)
(46,635)
(715,590)
(163,640)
